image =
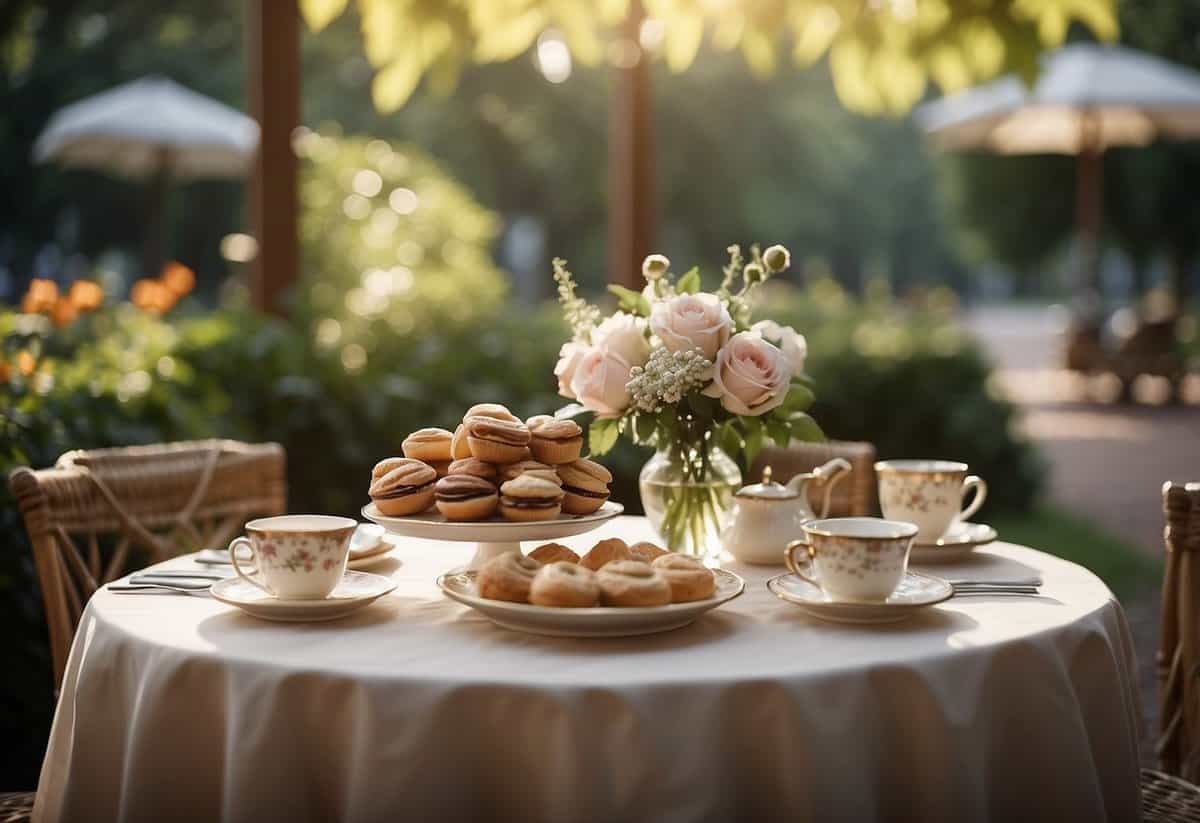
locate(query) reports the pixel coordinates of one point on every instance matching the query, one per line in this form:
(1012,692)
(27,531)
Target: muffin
(530,498)
(407,488)
(646,552)
(428,445)
(497,441)
(465,497)
(612,550)
(475,467)
(514,470)
(585,483)
(553,553)
(554,441)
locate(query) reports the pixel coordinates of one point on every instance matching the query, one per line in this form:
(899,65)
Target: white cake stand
(492,537)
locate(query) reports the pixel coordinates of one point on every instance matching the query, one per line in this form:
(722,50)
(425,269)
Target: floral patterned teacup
(929,493)
(298,556)
(853,559)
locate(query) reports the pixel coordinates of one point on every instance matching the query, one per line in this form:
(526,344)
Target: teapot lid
(768,489)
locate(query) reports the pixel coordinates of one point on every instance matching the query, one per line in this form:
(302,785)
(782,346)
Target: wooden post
(631,189)
(273,97)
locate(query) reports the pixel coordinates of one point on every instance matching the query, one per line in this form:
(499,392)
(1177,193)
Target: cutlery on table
(159,588)
(183,574)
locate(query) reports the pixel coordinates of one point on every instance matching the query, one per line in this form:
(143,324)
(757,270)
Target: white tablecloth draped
(417,708)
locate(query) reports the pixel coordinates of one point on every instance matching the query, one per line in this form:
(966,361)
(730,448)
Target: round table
(417,708)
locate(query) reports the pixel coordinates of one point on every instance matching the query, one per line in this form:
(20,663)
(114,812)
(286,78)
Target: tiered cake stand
(492,537)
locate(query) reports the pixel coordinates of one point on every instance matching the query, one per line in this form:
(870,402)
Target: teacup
(929,493)
(298,556)
(853,559)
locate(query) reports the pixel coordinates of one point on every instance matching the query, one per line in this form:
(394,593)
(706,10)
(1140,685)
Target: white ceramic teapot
(766,516)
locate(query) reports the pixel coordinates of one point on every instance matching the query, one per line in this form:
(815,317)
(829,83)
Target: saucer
(915,592)
(959,541)
(367,541)
(355,590)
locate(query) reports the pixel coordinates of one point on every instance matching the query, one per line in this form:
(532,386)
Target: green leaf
(643,427)
(805,428)
(729,439)
(799,398)
(689,283)
(780,431)
(320,13)
(755,439)
(570,410)
(602,435)
(631,301)
(396,82)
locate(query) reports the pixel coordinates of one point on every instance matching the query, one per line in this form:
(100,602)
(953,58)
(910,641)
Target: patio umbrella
(152,129)
(1087,98)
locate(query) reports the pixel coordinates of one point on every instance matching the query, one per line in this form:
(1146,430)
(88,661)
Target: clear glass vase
(686,493)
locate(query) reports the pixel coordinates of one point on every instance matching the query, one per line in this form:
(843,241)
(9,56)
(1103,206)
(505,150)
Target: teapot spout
(827,475)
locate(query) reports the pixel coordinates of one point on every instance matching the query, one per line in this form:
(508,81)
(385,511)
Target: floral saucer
(960,540)
(915,592)
(356,589)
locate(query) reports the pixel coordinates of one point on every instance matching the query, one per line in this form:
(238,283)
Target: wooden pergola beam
(273,98)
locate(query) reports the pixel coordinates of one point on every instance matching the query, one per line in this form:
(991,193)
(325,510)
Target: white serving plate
(494,536)
(916,591)
(600,621)
(962,539)
(356,589)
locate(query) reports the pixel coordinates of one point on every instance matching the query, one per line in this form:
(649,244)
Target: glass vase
(686,492)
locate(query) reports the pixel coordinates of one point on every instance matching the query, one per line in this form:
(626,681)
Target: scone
(507,577)
(646,552)
(585,483)
(530,498)
(554,441)
(564,585)
(407,488)
(497,441)
(632,583)
(429,445)
(606,551)
(688,578)
(466,497)
(475,467)
(492,410)
(554,553)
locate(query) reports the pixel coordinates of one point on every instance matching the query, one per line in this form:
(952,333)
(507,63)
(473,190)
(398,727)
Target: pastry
(475,467)
(442,467)
(554,553)
(530,498)
(497,441)
(606,551)
(632,583)
(460,449)
(430,445)
(554,441)
(514,470)
(564,585)
(466,497)
(646,552)
(688,578)
(386,465)
(492,410)
(407,488)
(586,485)
(507,577)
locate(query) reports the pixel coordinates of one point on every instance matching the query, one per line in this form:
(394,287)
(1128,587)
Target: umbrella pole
(1088,202)
(154,251)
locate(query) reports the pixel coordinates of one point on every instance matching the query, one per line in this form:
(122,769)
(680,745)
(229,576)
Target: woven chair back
(96,514)
(1178,662)
(853,496)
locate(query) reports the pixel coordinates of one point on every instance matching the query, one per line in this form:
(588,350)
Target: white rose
(624,334)
(791,342)
(568,361)
(599,382)
(751,376)
(692,321)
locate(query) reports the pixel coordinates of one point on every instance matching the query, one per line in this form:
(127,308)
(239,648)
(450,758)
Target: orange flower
(86,295)
(25,362)
(178,278)
(152,296)
(64,312)
(40,297)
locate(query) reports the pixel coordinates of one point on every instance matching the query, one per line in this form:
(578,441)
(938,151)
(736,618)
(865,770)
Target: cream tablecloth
(416,708)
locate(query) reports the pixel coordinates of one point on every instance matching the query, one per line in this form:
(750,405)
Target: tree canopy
(882,54)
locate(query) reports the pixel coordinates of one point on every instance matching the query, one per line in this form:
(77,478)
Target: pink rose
(625,335)
(599,382)
(790,342)
(751,376)
(692,321)
(568,361)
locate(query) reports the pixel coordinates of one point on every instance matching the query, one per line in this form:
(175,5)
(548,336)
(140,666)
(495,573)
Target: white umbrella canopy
(151,127)
(1087,97)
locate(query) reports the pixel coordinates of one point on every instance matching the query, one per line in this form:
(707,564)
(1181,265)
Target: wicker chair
(1168,795)
(158,501)
(852,497)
